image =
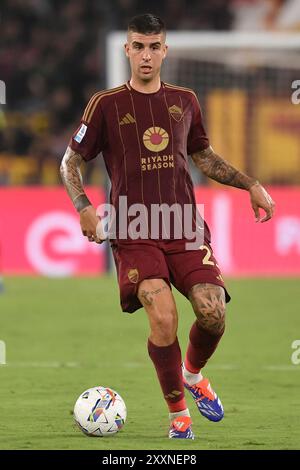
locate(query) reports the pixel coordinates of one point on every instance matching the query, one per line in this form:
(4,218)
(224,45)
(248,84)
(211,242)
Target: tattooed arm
(72,179)
(220,170)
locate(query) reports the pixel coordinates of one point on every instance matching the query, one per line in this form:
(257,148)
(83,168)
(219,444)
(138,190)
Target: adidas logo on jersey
(127,119)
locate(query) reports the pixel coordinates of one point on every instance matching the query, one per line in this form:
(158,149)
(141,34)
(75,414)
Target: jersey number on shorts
(206,259)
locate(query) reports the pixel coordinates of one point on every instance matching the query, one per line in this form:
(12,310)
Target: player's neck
(150,87)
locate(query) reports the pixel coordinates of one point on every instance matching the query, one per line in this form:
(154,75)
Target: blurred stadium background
(242,58)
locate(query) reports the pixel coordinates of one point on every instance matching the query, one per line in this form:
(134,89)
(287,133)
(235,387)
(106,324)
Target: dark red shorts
(168,260)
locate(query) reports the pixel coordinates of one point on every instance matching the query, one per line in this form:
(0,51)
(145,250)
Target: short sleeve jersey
(145,140)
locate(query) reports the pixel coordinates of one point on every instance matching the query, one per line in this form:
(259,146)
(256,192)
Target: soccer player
(145,130)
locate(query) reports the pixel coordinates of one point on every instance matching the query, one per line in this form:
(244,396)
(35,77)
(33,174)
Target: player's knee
(210,307)
(164,326)
(158,301)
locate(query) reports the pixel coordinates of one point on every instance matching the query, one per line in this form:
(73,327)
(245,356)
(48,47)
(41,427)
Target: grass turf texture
(64,336)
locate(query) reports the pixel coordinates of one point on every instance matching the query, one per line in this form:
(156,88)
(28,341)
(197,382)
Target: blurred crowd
(52,59)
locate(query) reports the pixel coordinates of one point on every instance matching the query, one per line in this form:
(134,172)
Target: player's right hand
(90,224)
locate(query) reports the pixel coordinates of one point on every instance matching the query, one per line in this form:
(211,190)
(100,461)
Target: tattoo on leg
(208,301)
(146,297)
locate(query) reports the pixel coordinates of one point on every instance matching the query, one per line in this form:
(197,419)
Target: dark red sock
(201,347)
(167,362)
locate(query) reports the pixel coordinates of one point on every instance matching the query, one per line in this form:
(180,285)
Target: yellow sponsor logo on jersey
(157,162)
(156,139)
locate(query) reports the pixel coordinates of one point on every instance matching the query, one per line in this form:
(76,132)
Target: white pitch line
(288,367)
(223,367)
(136,365)
(278,367)
(129,365)
(132,365)
(47,365)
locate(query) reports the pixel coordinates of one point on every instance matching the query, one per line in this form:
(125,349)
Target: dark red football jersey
(145,139)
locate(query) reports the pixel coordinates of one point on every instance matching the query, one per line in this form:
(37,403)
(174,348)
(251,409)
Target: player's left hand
(261,199)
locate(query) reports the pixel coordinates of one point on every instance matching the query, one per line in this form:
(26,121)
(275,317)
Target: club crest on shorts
(133,275)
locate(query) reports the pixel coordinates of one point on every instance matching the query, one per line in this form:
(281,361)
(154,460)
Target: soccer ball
(100,411)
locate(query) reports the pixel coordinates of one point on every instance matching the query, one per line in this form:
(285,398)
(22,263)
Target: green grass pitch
(64,336)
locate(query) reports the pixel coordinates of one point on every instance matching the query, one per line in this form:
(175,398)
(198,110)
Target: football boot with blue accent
(206,400)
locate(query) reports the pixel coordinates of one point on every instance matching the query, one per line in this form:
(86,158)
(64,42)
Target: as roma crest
(133,275)
(176,112)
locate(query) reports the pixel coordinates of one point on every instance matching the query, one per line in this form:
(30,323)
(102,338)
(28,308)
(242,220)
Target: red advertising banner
(244,247)
(40,233)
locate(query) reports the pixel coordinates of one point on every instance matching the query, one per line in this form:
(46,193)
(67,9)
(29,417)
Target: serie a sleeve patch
(81,133)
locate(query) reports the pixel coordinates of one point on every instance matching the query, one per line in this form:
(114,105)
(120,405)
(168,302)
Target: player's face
(146,53)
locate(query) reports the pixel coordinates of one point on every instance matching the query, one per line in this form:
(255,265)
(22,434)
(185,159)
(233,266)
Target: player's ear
(126,48)
(165,51)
